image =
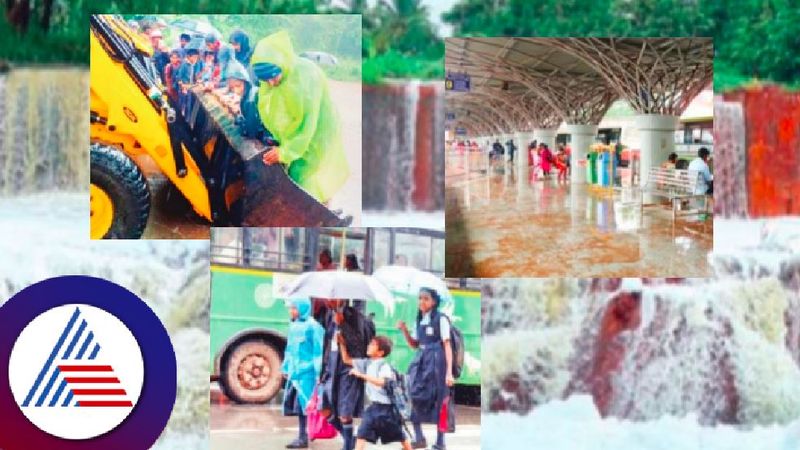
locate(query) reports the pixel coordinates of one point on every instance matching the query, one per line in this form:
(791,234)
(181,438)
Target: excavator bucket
(270,197)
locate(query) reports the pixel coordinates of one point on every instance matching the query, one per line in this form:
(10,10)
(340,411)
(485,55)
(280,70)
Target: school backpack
(457,346)
(397,390)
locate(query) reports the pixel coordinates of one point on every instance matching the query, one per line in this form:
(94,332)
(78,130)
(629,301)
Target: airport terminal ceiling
(578,78)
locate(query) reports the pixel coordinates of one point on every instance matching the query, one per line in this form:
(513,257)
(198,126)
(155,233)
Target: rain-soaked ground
(235,427)
(171,216)
(504,220)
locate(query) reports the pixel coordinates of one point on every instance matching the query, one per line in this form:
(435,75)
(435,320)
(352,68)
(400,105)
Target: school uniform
(427,373)
(343,393)
(188,74)
(380,420)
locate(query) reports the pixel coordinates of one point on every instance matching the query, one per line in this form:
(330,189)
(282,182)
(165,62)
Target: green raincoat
(300,114)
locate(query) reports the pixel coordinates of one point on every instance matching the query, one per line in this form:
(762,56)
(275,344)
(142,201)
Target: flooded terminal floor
(505,221)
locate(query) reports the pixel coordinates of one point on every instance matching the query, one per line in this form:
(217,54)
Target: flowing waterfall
(403,134)
(43,134)
(724,350)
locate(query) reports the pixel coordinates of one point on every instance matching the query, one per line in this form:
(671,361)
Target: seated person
(700,164)
(671,161)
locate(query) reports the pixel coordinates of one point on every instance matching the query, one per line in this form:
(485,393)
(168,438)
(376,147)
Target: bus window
(226,245)
(354,245)
(413,250)
(381,243)
(275,248)
(437,256)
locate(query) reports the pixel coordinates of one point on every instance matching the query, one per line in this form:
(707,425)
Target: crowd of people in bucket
(277,97)
(198,59)
(334,361)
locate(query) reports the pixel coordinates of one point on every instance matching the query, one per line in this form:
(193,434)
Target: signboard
(461,131)
(449,116)
(456,82)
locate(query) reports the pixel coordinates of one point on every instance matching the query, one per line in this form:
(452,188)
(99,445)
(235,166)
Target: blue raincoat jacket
(302,361)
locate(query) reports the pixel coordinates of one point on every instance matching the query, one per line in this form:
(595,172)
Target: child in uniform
(430,373)
(381,421)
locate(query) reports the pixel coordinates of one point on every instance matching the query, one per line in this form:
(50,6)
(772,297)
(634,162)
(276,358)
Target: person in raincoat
(241,46)
(302,365)
(343,394)
(430,374)
(295,106)
(224,59)
(248,120)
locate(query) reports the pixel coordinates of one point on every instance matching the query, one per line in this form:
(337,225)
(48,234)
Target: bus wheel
(251,372)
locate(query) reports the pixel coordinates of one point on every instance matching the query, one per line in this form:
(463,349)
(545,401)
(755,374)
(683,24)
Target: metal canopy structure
(539,82)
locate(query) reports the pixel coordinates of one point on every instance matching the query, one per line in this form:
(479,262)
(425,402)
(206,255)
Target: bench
(676,185)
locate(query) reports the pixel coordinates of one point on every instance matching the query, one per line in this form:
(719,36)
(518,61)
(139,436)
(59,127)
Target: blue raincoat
(302,361)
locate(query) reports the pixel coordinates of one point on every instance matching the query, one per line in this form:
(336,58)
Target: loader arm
(129,110)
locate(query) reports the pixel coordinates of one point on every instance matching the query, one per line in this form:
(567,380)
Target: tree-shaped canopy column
(658,77)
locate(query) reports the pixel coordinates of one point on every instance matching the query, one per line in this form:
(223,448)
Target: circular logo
(89,366)
(88,375)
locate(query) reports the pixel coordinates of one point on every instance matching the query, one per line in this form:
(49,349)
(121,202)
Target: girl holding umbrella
(430,374)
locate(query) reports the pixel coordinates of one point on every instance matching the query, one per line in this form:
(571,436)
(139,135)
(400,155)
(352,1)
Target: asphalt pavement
(239,427)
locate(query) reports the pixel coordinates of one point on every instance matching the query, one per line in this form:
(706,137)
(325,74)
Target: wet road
(505,221)
(263,427)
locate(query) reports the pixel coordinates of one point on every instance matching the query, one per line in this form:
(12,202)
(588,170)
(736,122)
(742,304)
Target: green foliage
(753,38)
(67,42)
(394,64)
(400,42)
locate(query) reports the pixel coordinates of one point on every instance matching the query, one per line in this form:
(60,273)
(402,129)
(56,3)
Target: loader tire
(116,176)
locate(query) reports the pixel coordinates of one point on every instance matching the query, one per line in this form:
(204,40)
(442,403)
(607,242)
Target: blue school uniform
(344,393)
(188,74)
(427,380)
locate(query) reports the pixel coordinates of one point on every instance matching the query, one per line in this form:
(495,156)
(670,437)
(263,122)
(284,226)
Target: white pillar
(656,141)
(523,138)
(582,137)
(546,136)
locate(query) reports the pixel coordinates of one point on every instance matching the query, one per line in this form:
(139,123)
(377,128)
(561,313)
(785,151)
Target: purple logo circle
(89,366)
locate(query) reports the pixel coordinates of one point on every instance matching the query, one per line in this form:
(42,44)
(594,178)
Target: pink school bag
(318,426)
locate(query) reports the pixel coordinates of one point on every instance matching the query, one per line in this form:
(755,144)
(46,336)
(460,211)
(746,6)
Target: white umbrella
(409,280)
(197,27)
(338,285)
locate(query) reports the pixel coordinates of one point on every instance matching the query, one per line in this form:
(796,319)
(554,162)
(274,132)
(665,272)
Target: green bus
(249,320)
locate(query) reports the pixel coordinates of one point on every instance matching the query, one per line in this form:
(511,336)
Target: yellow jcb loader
(203,155)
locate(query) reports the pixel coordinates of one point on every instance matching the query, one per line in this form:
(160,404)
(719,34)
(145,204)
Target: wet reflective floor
(236,427)
(504,220)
